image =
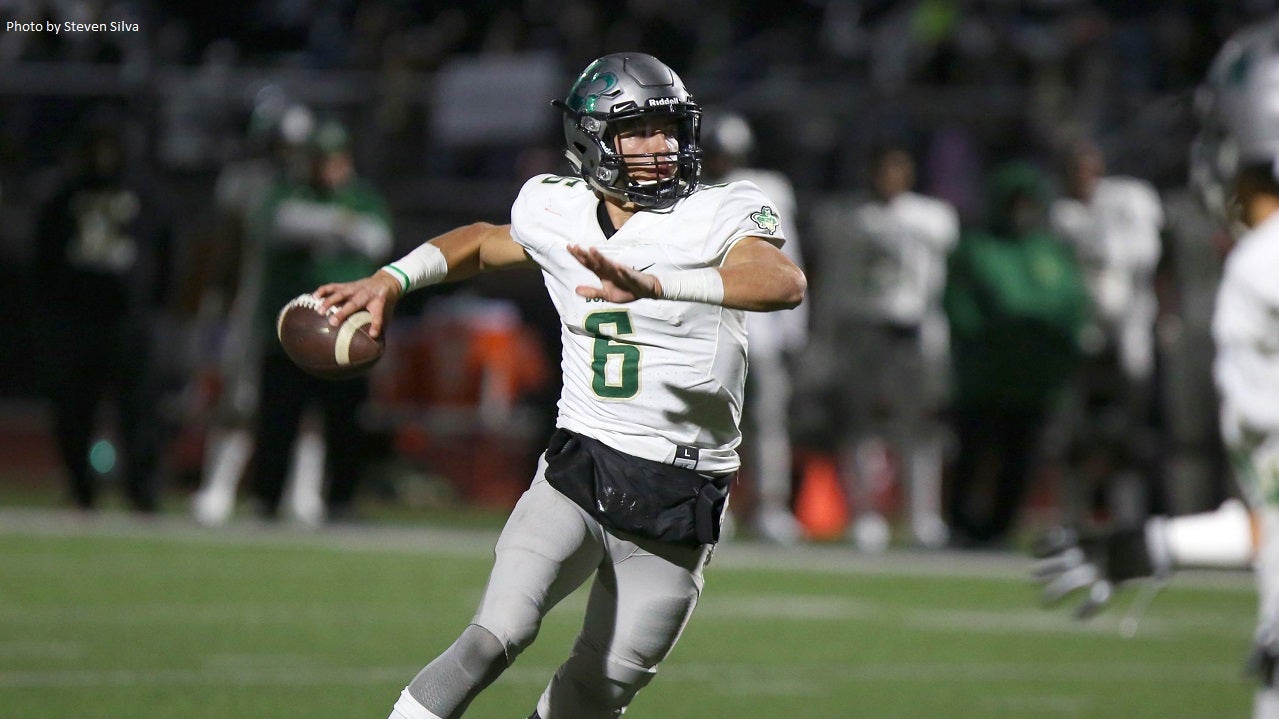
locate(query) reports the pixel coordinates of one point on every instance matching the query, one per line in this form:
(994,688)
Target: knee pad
(447,685)
(592,686)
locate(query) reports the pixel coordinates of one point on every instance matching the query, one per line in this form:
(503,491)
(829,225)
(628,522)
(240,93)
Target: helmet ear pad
(608,164)
(588,152)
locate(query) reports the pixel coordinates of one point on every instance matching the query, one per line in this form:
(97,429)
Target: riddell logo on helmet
(652,101)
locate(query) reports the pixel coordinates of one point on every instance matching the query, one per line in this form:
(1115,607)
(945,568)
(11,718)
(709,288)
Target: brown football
(322,350)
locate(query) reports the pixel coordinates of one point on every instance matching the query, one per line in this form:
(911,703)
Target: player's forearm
(458,254)
(756,287)
(305,222)
(1225,538)
(315,223)
(763,286)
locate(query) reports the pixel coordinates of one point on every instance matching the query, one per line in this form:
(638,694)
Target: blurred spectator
(878,313)
(229,276)
(332,227)
(196,124)
(1016,301)
(728,143)
(102,269)
(1113,225)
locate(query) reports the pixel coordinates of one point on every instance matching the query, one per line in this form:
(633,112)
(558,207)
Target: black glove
(1069,562)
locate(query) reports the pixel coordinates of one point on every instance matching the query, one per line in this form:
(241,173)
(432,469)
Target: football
(322,350)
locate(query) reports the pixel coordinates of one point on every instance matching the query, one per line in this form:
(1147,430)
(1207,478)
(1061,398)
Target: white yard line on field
(448,541)
(820,608)
(734,679)
(219,676)
(232,614)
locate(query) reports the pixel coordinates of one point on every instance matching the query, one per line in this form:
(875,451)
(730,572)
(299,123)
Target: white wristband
(1217,539)
(705,285)
(421,267)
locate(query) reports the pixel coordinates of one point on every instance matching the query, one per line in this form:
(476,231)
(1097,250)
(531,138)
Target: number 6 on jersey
(615,365)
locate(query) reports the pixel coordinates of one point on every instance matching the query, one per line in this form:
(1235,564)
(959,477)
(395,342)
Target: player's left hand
(1093,565)
(618,283)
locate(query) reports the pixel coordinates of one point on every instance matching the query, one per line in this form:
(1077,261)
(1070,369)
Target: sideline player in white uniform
(650,273)
(278,131)
(1235,163)
(728,142)
(879,313)
(1113,223)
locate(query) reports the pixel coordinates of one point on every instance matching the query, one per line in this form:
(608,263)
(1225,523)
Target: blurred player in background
(650,273)
(727,145)
(1016,301)
(103,255)
(333,226)
(231,278)
(878,313)
(1233,163)
(1113,224)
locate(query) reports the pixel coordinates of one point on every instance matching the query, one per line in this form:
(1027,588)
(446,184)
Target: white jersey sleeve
(744,211)
(657,379)
(775,332)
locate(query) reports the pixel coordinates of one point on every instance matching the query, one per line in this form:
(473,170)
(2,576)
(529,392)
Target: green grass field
(107,618)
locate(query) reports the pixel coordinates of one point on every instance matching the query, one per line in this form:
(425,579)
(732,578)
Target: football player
(1234,162)
(275,147)
(651,274)
(330,224)
(1113,223)
(775,337)
(886,251)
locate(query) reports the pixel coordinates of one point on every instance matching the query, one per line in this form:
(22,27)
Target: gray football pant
(642,597)
(768,403)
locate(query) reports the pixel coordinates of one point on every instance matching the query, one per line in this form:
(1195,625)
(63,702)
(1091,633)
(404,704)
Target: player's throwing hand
(377,293)
(619,282)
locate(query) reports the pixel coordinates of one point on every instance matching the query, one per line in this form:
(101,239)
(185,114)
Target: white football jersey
(1116,238)
(657,379)
(888,259)
(1245,330)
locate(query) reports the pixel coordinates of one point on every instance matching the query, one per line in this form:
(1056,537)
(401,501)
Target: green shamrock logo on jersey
(765,219)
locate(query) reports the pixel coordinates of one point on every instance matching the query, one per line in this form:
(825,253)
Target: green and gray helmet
(1238,108)
(622,87)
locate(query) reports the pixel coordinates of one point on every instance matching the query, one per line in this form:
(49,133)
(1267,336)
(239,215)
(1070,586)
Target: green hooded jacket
(1016,301)
(294,269)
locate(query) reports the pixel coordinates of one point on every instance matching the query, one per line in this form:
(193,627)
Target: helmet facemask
(1214,164)
(652,179)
